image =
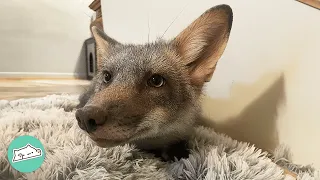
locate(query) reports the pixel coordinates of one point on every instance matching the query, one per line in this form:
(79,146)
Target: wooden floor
(16,89)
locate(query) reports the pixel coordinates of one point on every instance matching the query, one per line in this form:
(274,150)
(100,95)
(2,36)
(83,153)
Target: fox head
(149,94)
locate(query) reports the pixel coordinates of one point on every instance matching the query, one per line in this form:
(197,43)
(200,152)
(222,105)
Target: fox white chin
(149,139)
(104,142)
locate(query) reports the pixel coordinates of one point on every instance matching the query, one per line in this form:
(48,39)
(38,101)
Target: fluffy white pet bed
(70,154)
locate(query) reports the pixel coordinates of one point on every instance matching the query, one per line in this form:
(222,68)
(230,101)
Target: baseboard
(42,75)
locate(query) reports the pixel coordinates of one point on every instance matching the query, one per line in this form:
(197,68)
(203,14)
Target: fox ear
(103,45)
(203,42)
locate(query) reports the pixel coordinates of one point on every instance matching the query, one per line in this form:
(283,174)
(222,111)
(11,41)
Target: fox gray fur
(149,95)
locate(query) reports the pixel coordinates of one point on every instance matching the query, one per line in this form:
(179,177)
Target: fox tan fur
(149,94)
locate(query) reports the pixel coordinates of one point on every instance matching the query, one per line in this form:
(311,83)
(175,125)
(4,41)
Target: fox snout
(90,117)
(111,116)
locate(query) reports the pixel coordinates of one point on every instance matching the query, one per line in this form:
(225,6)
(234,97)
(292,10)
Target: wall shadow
(256,122)
(80,71)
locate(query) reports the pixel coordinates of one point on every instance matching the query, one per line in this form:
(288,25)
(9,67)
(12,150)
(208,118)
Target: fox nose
(90,117)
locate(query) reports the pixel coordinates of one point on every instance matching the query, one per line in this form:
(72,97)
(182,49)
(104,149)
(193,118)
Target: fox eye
(156,81)
(106,77)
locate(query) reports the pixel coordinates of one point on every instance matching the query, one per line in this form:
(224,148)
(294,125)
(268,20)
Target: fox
(149,95)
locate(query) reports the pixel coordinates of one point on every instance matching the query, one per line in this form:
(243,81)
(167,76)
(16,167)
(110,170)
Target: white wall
(43,37)
(264,89)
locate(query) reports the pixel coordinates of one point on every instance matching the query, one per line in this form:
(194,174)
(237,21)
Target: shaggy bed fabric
(71,155)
